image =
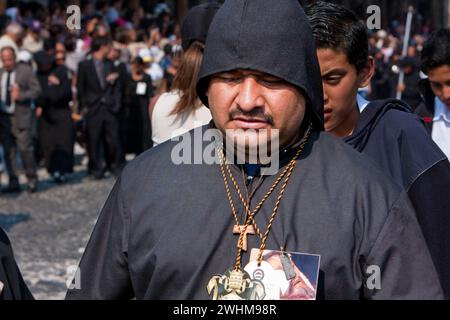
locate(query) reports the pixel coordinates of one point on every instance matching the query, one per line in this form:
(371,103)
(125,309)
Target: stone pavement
(49,229)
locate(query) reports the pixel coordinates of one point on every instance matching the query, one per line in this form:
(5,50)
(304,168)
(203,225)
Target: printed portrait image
(285,275)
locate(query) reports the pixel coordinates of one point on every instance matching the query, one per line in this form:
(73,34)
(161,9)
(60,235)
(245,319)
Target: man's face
(341,82)
(106,49)
(17,38)
(244,99)
(408,69)
(113,54)
(440,83)
(137,68)
(101,31)
(60,57)
(8,59)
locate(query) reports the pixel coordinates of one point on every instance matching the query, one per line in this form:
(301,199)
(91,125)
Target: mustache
(256,115)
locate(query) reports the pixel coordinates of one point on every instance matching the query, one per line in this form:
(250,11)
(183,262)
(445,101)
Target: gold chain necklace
(237,282)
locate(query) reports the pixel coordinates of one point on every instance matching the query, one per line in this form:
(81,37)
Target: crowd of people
(142,52)
(387,51)
(376,181)
(85,89)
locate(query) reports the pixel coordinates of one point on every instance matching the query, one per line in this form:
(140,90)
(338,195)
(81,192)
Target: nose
(250,95)
(446,92)
(325,96)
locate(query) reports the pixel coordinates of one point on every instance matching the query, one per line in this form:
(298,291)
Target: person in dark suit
(137,94)
(114,55)
(18,88)
(99,95)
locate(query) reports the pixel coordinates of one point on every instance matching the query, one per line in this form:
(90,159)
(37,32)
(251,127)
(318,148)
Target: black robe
(139,133)
(166,229)
(399,144)
(56,129)
(14,287)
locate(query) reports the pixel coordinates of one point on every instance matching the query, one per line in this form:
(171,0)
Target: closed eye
(333,80)
(272,83)
(229,78)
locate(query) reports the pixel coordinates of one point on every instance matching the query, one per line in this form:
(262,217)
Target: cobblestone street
(49,229)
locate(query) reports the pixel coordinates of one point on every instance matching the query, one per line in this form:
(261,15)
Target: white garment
(31,44)
(156,73)
(441,126)
(74,58)
(166,126)
(362,103)
(3,90)
(6,41)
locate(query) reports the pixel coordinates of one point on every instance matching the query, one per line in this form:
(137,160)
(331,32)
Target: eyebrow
(438,83)
(227,73)
(338,71)
(249,73)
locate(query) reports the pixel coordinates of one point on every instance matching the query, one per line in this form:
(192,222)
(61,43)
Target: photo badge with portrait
(286,275)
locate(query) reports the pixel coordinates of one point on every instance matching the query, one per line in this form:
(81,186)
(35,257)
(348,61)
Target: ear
(208,87)
(366,74)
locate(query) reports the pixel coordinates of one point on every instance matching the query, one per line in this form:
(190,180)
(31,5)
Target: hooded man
(385,130)
(183,231)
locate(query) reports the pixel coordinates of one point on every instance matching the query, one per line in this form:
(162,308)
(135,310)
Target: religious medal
(287,265)
(274,281)
(235,285)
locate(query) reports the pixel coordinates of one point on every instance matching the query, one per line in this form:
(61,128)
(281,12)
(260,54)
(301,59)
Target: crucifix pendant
(237,229)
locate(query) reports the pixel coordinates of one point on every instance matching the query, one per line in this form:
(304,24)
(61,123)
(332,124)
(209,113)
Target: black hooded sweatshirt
(398,142)
(167,228)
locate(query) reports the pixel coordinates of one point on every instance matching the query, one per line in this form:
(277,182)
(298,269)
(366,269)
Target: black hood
(197,22)
(269,36)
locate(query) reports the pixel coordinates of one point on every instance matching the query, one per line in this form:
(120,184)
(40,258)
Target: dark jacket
(399,144)
(90,93)
(55,97)
(426,109)
(56,131)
